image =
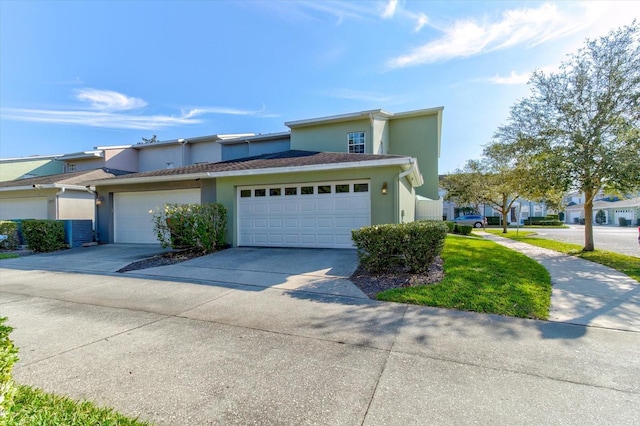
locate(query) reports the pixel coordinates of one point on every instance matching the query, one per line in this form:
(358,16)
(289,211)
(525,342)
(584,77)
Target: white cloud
(511,79)
(421,21)
(390,9)
(108,100)
(113,110)
(469,37)
(100,119)
(519,78)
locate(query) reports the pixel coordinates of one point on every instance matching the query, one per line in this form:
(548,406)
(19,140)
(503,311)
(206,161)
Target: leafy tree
(493,181)
(580,127)
(504,181)
(465,186)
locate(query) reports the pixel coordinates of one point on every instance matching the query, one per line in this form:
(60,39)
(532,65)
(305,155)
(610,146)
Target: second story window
(355,142)
(70,167)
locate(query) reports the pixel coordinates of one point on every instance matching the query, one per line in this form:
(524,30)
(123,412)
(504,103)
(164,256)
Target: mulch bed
(169,258)
(372,284)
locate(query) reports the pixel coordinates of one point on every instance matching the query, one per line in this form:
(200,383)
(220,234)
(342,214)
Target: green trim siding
(407,202)
(330,137)
(418,138)
(10,170)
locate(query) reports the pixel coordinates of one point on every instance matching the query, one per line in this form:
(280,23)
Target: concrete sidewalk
(584,292)
(178,353)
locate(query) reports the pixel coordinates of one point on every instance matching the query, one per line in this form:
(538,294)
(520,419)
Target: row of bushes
(455,228)
(40,235)
(412,246)
(199,226)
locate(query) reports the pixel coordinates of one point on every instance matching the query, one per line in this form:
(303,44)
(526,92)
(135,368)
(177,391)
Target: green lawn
(482,276)
(628,265)
(8,255)
(35,407)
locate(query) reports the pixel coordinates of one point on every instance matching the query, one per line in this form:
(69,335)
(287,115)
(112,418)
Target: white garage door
(303,215)
(131,217)
(23,208)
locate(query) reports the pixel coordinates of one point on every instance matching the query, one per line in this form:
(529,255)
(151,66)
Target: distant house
(31,166)
(612,211)
(57,196)
(305,188)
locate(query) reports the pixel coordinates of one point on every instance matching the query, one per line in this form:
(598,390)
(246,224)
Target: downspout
(58,194)
(95,213)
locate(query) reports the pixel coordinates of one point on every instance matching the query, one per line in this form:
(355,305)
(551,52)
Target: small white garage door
(23,208)
(131,217)
(303,215)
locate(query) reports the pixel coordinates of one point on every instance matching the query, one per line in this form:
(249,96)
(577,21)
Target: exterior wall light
(385,189)
(99,201)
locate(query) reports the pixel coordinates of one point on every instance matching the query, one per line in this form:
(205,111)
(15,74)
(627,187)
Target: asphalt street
(619,239)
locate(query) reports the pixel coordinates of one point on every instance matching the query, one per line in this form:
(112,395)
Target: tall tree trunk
(588,221)
(504,221)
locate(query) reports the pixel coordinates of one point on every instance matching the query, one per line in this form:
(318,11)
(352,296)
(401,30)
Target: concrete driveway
(324,271)
(107,258)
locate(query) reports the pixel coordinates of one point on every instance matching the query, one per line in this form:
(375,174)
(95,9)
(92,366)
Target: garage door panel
(325,222)
(132,220)
(300,219)
(307,205)
(276,223)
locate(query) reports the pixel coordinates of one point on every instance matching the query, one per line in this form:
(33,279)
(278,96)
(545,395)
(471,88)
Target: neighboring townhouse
(109,157)
(57,196)
(607,211)
(31,166)
(309,188)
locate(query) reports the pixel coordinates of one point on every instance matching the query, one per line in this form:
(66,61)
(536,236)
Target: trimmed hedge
(199,226)
(454,228)
(451,227)
(43,235)
(414,246)
(463,229)
(8,357)
(10,229)
(547,222)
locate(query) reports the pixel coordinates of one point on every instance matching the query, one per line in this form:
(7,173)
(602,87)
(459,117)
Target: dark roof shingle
(70,178)
(291,158)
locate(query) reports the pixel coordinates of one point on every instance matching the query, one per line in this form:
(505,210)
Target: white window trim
(356,136)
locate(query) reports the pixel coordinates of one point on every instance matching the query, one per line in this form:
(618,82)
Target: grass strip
(8,255)
(628,265)
(33,406)
(482,276)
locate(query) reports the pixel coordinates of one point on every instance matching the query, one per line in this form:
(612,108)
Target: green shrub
(451,226)
(10,229)
(464,229)
(43,235)
(8,357)
(413,245)
(199,226)
(547,222)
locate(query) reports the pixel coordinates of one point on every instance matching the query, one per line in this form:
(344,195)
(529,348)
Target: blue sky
(75,75)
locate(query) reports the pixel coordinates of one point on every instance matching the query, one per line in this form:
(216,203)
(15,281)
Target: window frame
(357,142)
